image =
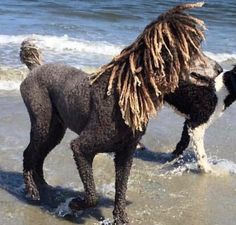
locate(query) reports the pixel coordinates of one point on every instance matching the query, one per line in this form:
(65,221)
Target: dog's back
(60,86)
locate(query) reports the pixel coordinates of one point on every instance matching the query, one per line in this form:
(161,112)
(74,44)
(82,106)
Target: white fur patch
(197,134)
(221,93)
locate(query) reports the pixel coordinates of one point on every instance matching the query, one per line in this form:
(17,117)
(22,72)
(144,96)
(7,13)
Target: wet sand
(159,192)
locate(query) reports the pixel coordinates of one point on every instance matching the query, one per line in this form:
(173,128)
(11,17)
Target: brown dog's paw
(32,193)
(121,218)
(77,204)
(121,222)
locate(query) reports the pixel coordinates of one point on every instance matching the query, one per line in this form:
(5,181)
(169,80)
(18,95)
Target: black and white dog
(201,105)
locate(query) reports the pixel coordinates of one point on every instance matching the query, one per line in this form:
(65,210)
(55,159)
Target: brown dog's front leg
(123,162)
(84,159)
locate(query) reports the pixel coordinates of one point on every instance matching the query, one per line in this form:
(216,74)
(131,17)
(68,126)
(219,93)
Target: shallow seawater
(159,192)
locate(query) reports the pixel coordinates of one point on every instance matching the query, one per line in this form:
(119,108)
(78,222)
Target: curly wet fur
(58,97)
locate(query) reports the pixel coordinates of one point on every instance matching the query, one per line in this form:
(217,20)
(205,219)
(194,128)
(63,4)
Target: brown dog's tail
(30,54)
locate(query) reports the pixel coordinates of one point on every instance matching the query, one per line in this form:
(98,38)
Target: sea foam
(9,85)
(187,163)
(221,57)
(83,54)
(64,43)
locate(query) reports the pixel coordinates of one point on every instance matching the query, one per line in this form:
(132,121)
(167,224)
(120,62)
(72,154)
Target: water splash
(106,222)
(63,209)
(187,163)
(222,166)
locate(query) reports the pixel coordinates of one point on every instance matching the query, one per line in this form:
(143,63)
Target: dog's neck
(230,83)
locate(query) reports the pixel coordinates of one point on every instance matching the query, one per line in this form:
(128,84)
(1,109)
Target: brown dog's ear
(234,69)
(233,78)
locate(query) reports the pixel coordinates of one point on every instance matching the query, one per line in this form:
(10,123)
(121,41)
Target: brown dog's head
(209,68)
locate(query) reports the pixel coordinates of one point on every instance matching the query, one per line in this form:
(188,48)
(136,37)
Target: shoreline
(11,77)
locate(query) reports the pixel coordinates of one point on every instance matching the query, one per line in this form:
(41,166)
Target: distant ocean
(87,34)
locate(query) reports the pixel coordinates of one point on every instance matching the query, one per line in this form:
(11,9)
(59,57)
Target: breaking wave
(64,43)
(83,54)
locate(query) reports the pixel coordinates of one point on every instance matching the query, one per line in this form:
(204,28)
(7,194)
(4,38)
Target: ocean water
(87,34)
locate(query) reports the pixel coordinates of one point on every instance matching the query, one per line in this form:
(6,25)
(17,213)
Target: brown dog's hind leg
(44,135)
(30,158)
(56,133)
(41,143)
(40,112)
(29,175)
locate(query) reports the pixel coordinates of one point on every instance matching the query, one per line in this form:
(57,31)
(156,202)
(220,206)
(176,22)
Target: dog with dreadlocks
(110,109)
(194,99)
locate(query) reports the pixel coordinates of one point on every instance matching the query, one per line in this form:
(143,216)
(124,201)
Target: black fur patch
(197,102)
(229,80)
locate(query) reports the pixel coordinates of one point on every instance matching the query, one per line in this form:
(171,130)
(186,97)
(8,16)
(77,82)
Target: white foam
(108,189)
(222,166)
(106,222)
(187,163)
(9,85)
(221,57)
(63,209)
(65,43)
(60,44)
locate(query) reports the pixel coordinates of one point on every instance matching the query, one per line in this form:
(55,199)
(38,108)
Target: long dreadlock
(151,67)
